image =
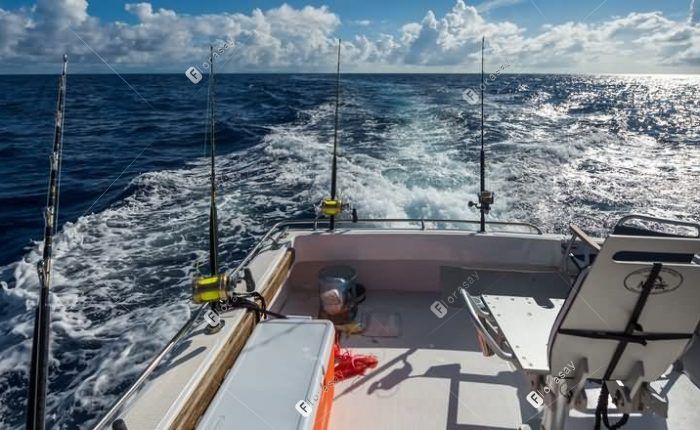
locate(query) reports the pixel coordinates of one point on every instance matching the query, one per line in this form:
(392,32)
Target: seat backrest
(603,300)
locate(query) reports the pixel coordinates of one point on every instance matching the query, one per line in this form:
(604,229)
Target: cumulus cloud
(456,37)
(304,39)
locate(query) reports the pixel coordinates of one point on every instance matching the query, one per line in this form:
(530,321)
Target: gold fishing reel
(332,207)
(209,289)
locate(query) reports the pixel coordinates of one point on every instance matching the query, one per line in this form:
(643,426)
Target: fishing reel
(485,201)
(215,289)
(210,289)
(334,208)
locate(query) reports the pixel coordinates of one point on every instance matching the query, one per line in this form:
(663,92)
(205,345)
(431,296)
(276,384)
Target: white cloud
(453,39)
(495,4)
(62,14)
(304,39)
(362,22)
(12,29)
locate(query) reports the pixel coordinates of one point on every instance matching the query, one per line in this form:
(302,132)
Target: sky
(438,36)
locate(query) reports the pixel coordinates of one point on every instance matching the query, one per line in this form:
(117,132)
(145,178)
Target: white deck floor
(433,376)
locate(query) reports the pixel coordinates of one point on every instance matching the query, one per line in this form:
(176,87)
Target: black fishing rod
(485,197)
(38,374)
(334,169)
(213,220)
(212,288)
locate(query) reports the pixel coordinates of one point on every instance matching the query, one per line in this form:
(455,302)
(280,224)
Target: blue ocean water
(133,211)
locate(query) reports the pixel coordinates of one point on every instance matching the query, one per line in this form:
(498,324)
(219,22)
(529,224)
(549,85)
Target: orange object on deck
(348,364)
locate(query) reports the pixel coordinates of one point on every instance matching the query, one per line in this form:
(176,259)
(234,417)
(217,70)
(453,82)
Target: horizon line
(366,73)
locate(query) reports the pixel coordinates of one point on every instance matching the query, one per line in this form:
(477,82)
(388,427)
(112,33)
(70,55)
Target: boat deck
(432,375)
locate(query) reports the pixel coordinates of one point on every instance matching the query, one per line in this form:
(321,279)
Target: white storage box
(285,362)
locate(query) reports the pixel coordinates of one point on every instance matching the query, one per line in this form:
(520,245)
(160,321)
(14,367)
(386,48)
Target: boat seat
(543,331)
(627,318)
(624,228)
(630,318)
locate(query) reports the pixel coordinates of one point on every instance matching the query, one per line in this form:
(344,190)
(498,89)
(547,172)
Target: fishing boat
(342,322)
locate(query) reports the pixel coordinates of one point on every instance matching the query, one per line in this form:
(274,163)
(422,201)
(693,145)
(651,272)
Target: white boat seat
(630,318)
(595,319)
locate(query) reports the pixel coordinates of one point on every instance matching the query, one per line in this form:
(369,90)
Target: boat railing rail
(421,223)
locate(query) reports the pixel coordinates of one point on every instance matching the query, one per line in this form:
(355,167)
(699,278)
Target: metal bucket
(337,287)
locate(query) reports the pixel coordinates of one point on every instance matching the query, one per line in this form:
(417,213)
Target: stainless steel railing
(492,226)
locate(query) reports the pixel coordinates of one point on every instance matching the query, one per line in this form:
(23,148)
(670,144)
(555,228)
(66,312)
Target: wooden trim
(207,388)
(576,231)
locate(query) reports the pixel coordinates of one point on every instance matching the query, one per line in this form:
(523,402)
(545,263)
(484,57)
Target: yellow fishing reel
(334,208)
(209,289)
(331,207)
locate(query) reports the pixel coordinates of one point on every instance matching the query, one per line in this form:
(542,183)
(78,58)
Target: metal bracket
(653,401)
(646,398)
(636,380)
(578,393)
(479,325)
(249,281)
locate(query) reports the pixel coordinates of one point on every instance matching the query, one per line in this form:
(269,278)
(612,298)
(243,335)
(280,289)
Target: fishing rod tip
(65,58)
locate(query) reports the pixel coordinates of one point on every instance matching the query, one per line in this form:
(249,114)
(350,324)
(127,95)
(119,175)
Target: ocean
(134,190)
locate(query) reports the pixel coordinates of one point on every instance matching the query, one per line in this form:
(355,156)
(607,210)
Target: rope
(253,301)
(602,412)
(348,364)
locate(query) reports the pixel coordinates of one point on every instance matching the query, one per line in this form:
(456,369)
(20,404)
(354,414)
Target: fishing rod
(212,288)
(38,374)
(333,207)
(485,197)
(213,220)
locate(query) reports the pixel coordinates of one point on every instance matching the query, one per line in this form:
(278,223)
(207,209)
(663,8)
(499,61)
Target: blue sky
(398,12)
(613,36)
(394,13)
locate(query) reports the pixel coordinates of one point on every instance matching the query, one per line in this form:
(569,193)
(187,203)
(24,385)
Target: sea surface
(134,190)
